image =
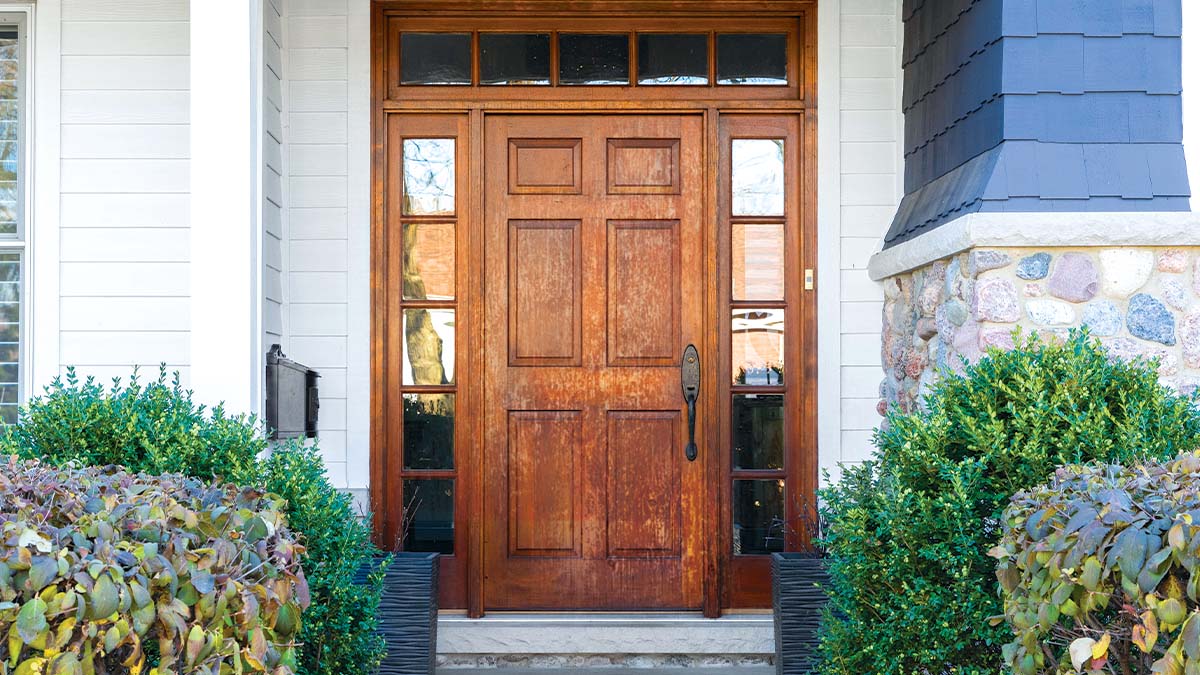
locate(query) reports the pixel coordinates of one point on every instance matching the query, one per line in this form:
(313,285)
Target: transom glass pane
(428,261)
(672,59)
(748,58)
(435,58)
(758,261)
(429,431)
(758,431)
(758,347)
(758,177)
(428,176)
(758,524)
(514,58)
(429,511)
(599,59)
(428,346)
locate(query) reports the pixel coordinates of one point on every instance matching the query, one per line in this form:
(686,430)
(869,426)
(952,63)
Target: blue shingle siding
(1040,105)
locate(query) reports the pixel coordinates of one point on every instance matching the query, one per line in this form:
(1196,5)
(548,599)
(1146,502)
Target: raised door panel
(545,166)
(543,489)
(643,293)
(545,277)
(643,484)
(643,166)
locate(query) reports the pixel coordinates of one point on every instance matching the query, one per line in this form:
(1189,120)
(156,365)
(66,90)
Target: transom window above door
(596,59)
(582,58)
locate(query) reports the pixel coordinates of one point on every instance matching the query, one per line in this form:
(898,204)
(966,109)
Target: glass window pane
(514,58)
(428,346)
(757,173)
(747,58)
(435,58)
(429,515)
(10,154)
(593,59)
(672,59)
(758,525)
(758,261)
(428,176)
(429,261)
(10,336)
(758,431)
(758,347)
(429,431)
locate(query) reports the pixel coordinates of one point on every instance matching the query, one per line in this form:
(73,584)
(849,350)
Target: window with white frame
(12,212)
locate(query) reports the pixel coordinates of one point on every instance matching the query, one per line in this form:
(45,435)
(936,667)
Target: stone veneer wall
(1137,301)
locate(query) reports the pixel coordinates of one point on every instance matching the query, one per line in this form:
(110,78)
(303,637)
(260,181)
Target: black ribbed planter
(408,614)
(798,589)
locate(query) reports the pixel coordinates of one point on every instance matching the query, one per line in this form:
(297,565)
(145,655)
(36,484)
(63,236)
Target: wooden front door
(595,285)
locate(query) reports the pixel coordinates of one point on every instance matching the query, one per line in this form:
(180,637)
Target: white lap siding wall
(124,234)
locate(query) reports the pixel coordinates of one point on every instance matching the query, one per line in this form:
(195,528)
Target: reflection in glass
(428,261)
(747,58)
(435,58)
(514,58)
(758,261)
(672,59)
(757,517)
(429,431)
(758,347)
(593,59)
(10,120)
(428,176)
(429,515)
(758,431)
(757,177)
(428,347)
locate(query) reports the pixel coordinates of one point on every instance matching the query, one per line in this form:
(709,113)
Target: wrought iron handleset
(690,382)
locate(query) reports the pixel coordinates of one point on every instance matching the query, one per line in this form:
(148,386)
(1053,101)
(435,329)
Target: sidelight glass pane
(758,431)
(757,173)
(428,431)
(593,59)
(750,58)
(672,58)
(10,120)
(758,347)
(435,58)
(758,525)
(514,58)
(758,261)
(428,261)
(428,176)
(10,336)
(428,346)
(429,515)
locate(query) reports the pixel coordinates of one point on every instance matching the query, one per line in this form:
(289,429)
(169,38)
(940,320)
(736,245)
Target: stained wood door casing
(594,285)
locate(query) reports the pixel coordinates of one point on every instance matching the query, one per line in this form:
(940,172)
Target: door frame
(474,103)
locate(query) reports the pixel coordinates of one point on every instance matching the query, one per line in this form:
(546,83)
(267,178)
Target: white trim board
(1047,230)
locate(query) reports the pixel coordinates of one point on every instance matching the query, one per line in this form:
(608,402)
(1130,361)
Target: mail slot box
(292,398)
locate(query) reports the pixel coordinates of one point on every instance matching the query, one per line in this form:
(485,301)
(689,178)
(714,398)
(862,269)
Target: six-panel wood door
(594,286)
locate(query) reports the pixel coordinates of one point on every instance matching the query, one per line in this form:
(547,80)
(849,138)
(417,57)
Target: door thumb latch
(690,381)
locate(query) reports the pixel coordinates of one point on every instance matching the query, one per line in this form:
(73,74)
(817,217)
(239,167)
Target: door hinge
(809,279)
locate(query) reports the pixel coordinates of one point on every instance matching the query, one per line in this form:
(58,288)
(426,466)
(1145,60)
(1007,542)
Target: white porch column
(226,342)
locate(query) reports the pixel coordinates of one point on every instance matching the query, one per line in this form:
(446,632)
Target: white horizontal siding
(274,169)
(124,238)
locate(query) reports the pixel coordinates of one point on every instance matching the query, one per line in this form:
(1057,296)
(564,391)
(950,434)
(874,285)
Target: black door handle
(690,381)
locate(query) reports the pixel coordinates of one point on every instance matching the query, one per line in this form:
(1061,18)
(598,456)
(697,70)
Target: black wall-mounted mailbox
(292,399)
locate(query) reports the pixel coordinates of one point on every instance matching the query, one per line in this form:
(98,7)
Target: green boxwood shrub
(156,427)
(98,567)
(1100,570)
(912,588)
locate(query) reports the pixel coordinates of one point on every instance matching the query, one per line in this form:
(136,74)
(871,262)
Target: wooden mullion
(758,304)
(758,474)
(428,304)
(429,474)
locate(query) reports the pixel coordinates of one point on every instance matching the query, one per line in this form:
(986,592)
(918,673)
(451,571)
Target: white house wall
(124,238)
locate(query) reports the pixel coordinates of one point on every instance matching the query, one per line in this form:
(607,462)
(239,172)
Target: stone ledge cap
(1037,230)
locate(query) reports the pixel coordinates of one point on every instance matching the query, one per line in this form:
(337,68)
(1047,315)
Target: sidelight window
(12,216)
(427,242)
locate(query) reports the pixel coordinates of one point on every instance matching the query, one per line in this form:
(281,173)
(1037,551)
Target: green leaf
(104,600)
(31,621)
